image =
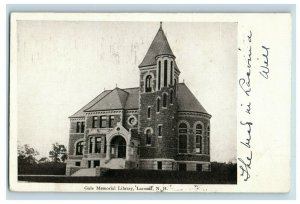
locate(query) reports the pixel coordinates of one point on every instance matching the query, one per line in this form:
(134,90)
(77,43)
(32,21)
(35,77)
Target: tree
(27,154)
(58,153)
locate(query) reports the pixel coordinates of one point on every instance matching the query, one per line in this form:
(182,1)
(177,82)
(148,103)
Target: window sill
(159,136)
(148,145)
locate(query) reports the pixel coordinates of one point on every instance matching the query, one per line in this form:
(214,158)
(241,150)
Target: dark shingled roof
(158,46)
(129,99)
(187,101)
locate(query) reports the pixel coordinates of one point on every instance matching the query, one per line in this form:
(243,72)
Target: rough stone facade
(159,125)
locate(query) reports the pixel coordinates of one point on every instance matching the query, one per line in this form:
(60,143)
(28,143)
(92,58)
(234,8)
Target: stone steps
(85,172)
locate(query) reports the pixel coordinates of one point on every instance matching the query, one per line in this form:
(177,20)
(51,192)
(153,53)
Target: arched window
(182,133)
(159,73)
(171,73)
(158,105)
(164,100)
(79,148)
(165,72)
(148,137)
(171,97)
(91,144)
(208,141)
(148,83)
(199,139)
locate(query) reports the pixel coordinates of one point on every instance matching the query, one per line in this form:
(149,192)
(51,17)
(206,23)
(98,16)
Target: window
(95,121)
(148,83)
(175,85)
(82,127)
(77,163)
(97,144)
(208,131)
(89,164)
(199,167)
(208,134)
(159,165)
(199,139)
(164,100)
(77,127)
(148,137)
(103,122)
(171,97)
(111,121)
(165,72)
(159,72)
(182,167)
(160,130)
(138,150)
(149,112)
(171,73)
(91,145)
(157,105)
(182,138)
(208,147)
(79,148)
(96,163)
(104,145)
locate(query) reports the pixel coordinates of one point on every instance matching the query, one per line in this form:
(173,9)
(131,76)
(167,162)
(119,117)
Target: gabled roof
(159,46)
(187,101)
(116,99)
(81,113)
(128,99)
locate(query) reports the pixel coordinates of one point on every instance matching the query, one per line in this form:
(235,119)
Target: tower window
(160,130)
(165,72)
(103,122)
(148,137)
(171,97)
(182,132)
(158,105)
(159,74)
(111,121)
(149,112)
(95,120)
(164,100)
(148,83)
(79,148)
(175,85)
(199,139)
(171,73)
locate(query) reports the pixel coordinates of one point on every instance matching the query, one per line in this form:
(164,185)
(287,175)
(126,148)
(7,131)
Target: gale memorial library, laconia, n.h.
(159,125)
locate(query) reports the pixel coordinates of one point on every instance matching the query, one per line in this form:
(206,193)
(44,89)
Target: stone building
(159,125)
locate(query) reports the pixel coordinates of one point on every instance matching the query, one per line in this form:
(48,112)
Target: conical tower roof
(159,46)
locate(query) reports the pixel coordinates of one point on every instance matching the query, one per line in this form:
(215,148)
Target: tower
(158,104)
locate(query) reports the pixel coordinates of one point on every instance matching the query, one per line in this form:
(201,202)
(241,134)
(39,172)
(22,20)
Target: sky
(61,66)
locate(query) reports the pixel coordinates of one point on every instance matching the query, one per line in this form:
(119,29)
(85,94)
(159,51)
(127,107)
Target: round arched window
(132,120)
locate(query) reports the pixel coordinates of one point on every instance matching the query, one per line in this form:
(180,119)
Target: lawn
(220,174)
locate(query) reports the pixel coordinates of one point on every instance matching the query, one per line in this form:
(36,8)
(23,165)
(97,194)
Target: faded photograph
(127,102)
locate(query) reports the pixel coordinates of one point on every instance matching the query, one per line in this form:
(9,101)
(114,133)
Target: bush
(49,168)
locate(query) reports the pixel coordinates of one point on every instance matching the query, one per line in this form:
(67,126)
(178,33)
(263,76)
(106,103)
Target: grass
(221,174)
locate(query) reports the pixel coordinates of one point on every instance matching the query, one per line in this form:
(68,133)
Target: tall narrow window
(171,73)
(175,86)
(148,84)
(79,148)
(182,130)
(208,134)
(160,130)
(97,144)
(149,112)
(199,139)
(171,97)
(103,122)
(159,74)
(165,72)
(111,121)
(82,127)
(77,127)
(148,137)
(91,145)
(159,165)
(164,100)
(95,121)
(158,105)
